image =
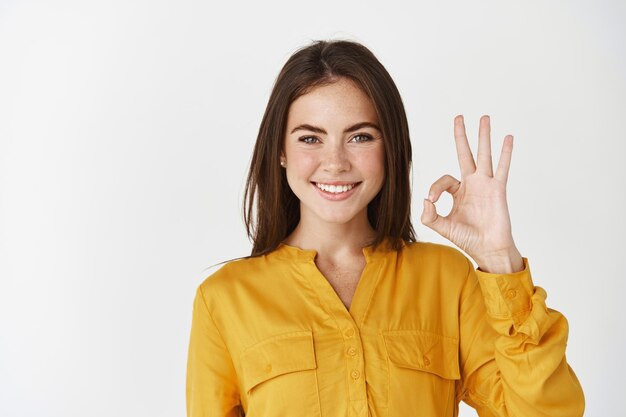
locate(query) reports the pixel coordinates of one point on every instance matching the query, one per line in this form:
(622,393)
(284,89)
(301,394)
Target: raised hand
(479,221)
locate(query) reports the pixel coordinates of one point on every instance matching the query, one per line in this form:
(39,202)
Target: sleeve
(512,349)
(212,389)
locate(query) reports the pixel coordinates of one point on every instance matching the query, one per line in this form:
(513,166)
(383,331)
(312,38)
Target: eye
(362,138)
(308,139)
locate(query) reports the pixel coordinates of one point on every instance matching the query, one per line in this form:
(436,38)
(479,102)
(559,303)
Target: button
(511,293)
(426,361)
(355,374)
(268,368)
(349,333)
(352,351)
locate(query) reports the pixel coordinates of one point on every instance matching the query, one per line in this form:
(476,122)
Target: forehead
(339,102)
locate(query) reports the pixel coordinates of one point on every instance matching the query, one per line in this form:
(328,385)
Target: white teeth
(335,188)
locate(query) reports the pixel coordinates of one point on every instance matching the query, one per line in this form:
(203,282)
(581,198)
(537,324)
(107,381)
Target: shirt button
(352,351)
(426,361)
(349,333)
(511,294)
(355,374)
(268,368)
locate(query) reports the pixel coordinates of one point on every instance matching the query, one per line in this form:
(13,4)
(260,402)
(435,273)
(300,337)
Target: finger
(464,153)
(504,164)
(445,183)
(431,219)
(483,159)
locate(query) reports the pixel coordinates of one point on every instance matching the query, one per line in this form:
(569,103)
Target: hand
(479,221)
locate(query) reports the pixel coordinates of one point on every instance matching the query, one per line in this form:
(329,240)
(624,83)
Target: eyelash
(368,138)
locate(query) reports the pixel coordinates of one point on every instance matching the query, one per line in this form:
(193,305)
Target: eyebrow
(348,130)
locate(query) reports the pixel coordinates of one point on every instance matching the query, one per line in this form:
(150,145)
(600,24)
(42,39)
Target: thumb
(431,219)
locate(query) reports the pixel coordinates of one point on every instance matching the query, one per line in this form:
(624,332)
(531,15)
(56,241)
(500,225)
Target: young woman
(339,310)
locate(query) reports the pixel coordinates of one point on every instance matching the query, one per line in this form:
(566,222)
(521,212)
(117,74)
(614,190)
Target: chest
(343,278)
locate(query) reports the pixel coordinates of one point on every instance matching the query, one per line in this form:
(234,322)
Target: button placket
(346,321)
(351,350)
(355,366)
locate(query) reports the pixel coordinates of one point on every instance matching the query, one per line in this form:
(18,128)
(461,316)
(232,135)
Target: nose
(336,159)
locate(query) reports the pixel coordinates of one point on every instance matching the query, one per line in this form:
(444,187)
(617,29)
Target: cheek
(301,165)
(372,163)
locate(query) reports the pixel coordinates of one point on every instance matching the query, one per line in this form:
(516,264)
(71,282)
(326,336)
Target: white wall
(126,128)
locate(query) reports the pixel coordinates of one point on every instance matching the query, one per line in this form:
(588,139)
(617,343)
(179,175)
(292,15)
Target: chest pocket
(279,375)
(423,368)
(423,351)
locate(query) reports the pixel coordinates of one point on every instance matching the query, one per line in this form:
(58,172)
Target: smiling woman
(339,310)
(311,111)
(339,164)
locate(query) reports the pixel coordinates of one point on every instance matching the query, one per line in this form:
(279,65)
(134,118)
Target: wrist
(507,262)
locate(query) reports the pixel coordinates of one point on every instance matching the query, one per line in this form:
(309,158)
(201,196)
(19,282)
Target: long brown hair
(271,210)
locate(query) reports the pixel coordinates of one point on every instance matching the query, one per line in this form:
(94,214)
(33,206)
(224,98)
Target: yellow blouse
(425,330)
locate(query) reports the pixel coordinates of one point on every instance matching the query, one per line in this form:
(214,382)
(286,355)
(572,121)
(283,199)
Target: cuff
(507,296)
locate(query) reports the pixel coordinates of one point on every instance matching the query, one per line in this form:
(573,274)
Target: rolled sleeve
(513,349)
(508,296)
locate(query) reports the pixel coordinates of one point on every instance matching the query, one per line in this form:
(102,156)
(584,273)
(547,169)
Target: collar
(308,255)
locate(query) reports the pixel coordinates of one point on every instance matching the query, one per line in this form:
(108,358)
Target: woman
(340,311)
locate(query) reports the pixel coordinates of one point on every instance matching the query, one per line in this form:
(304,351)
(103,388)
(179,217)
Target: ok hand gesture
(479,221)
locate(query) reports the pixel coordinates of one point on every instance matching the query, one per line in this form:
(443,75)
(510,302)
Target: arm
(212,389)
(512,349)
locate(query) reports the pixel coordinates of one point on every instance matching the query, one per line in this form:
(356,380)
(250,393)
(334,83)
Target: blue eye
(364,138)
(308,139)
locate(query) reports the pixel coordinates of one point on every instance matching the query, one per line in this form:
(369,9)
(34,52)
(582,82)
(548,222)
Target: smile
(336,189)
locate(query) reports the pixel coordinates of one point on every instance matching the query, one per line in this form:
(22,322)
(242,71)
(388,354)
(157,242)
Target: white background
(126,129)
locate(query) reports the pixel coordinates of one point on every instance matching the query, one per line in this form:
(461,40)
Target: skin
(479,222)
(337,230)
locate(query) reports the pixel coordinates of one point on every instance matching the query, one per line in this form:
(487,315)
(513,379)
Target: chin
(337,218)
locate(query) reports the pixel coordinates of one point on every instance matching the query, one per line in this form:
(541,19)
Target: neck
(333,240)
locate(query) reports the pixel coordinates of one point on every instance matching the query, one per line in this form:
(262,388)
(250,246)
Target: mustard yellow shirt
(425,330)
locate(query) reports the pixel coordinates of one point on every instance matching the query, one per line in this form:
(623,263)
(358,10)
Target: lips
(337,191)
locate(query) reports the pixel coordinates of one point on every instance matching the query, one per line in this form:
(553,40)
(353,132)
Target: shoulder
(437,256)
(243,278)
(234,270)
(435,250)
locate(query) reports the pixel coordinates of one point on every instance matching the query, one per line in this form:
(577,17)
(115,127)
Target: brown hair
(271,210)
